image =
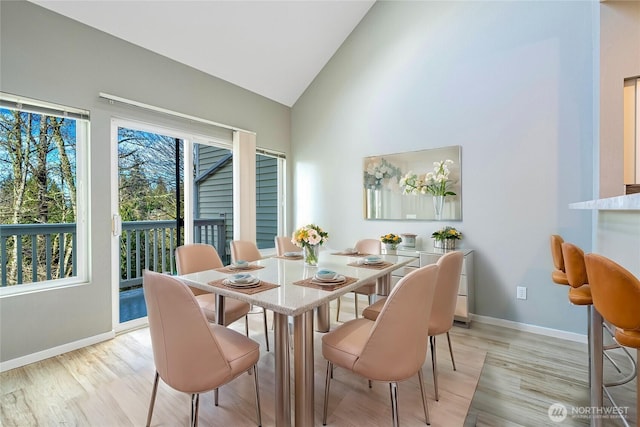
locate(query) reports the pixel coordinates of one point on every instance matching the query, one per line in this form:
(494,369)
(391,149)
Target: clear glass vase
(311,254)
(438,204)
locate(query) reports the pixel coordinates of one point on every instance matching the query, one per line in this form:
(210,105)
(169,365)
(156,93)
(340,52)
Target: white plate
(240,285)
(239,267)
(292,254)
(241,278)
(338,279)
(373,261)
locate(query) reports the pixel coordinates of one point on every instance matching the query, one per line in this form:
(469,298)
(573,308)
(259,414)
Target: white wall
(511,82)
(49,57)
(617,233)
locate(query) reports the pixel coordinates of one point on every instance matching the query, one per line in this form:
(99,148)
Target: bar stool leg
(596,365)
(589,339)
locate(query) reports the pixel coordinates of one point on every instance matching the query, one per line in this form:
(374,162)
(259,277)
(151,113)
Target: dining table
(289,293)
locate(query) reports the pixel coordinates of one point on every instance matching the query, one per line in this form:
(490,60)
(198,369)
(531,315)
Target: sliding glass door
(150,210)
(171,188)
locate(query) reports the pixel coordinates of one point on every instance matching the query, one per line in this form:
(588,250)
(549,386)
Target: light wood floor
(520,374)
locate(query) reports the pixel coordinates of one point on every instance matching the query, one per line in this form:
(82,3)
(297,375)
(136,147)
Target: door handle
(116,225)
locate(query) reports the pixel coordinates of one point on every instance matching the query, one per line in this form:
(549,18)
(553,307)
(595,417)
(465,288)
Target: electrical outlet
(521,292)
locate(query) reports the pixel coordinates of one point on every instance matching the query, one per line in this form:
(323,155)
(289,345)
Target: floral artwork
(414,185)
(380,173)
(436,183)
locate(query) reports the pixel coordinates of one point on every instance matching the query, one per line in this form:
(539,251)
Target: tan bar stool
(580,294)
(616,295)
(579,290)
(558,275)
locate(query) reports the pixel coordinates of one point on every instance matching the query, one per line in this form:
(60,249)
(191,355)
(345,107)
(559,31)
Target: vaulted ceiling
(272,48)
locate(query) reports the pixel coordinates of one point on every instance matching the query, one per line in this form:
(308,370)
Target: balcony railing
(143,245)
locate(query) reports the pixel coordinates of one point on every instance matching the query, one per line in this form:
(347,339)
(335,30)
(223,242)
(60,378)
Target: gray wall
(510,82)
(52,58)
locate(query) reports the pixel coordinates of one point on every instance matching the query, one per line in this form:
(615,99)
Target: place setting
(291,255)
(326,279)
(243,282)
(350,252)
(239,265)
(371,261)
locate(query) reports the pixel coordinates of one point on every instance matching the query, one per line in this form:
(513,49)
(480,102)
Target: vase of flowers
(391,242)
(436,183)
(445,238)
(310,238)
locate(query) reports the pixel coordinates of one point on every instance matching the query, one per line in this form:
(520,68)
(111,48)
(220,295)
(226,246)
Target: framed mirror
(416,185)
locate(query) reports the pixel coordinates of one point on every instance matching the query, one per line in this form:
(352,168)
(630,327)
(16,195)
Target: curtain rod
(112,98)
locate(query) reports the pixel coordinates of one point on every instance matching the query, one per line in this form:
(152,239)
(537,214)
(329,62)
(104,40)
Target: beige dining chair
(284,245)
(192,355)
(370,247)
(244,250)
(248,251)
(444,307)
(393,347)
(195,257)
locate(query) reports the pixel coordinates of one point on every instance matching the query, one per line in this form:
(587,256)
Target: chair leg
(424,397)
(453,362)
(246,325)
(355,298)
(393,389)
(326,392)
(266,327)
(153,398)
(195,407)
(255,379)
(434,365)
(215,397)
(370,385)
(338,310)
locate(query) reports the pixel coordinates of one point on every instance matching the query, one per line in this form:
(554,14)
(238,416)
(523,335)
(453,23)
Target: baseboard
(540,330)
(55,351)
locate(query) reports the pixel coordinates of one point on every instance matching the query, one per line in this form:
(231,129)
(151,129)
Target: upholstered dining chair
(284,245)
(194,257)
(558,275)
(364,246)
(444,307)
(616,296)
(393,347)
(248,251)
(191,354)
(244,250)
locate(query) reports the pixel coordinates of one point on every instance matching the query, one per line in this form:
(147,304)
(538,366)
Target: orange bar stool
(580,294)
(558,275)
(616,296)
(579,291)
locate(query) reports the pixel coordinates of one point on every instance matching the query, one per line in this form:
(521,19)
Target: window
(269,197)
(43,194)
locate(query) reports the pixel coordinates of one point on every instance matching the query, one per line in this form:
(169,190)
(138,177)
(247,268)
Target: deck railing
(143,245)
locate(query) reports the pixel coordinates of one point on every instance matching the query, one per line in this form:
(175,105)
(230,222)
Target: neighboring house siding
(215,192)
(266,200)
